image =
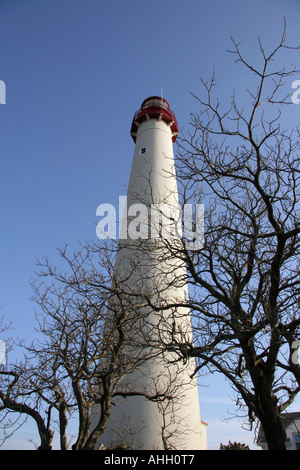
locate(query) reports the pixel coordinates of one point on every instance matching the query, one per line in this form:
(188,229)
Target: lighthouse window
(143,150)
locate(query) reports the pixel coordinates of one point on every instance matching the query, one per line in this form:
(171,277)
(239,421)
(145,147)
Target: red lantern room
(154,107)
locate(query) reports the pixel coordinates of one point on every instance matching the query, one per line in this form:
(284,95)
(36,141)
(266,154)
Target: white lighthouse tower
(145,267)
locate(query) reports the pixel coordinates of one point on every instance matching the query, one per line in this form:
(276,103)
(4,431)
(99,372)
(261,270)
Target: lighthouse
(148,271)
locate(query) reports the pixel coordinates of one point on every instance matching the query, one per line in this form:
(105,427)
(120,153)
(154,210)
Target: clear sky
(75,72)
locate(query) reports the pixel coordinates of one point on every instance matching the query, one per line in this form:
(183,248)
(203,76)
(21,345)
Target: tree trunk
(265,402)
(270,420)
(63,422)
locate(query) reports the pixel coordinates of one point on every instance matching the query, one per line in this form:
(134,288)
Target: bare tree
(244,282)
(82,356)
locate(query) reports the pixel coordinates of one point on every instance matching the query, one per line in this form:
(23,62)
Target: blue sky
(75,73)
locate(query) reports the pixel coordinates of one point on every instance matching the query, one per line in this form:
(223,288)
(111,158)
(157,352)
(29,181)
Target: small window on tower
(143,150)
